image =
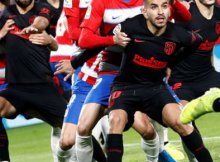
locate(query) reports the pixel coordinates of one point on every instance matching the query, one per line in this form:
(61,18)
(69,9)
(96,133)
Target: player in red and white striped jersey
(82,83)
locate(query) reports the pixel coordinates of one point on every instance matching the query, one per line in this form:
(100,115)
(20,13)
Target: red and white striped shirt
(66,47)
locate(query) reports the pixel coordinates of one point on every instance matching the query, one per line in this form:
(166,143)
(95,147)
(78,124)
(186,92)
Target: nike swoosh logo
(115,17)
(138,41)
(196,31)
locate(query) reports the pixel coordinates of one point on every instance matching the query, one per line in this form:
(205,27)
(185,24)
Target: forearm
(84,56)
(53,45)
(90,40)
(73,28)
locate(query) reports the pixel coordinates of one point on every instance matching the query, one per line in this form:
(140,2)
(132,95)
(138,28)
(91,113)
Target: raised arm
(179,11)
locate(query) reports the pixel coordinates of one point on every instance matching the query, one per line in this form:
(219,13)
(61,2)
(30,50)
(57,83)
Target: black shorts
(194,89)
(149,100)
(43,100)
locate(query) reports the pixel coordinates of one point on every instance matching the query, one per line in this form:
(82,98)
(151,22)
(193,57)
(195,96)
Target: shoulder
(192,7)
(43,8)
(42,4)
(134,21)
(11,9)
(175,27)
(217,11)
(176,31)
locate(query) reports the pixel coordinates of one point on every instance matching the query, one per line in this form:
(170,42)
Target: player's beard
(23,3)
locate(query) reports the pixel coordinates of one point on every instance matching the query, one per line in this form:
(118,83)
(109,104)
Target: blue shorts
(3,86)
(80,91)
(216,50)
(216,53)
(101,90)
(66,85)
(75,79)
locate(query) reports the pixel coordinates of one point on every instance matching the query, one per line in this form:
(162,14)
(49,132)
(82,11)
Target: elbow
(188,18)
(74,37)
(55,48)
(83,42)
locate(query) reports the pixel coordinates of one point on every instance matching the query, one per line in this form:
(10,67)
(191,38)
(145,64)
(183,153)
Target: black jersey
(147,56)
(26,62)
(55,15)
(198,65)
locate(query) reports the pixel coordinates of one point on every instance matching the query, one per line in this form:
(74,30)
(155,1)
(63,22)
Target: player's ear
(144,12)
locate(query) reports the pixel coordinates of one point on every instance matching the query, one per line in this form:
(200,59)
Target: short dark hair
(5,2)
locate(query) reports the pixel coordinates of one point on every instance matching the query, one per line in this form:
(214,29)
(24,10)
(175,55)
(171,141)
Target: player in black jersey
(30,86)
(196,74)
(155,44)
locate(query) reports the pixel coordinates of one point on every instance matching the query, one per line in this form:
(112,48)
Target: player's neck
(205,10)
(154,30)
(25,10)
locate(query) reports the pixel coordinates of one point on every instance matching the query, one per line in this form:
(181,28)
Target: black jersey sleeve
(44,10)
(3,19)
(190,44)
(124,26)
(84,56)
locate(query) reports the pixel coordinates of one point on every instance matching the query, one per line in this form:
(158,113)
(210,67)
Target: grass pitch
(32,143)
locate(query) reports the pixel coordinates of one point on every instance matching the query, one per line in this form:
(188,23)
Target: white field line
(207,139)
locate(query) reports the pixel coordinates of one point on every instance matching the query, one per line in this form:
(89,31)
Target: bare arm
(6,28)
(44,39)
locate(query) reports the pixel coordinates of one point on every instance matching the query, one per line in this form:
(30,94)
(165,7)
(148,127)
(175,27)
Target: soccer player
(139,86)
(30,86)
(74,13)
(195,75)
(109,65)
(105,18)
(107,28)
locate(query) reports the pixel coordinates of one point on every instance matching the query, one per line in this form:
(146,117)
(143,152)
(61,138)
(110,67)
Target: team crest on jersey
(169,48)
(217,27)
(67,3)
(117,29)
(88,12)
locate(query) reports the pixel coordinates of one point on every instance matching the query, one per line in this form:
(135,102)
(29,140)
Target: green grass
(32,143)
